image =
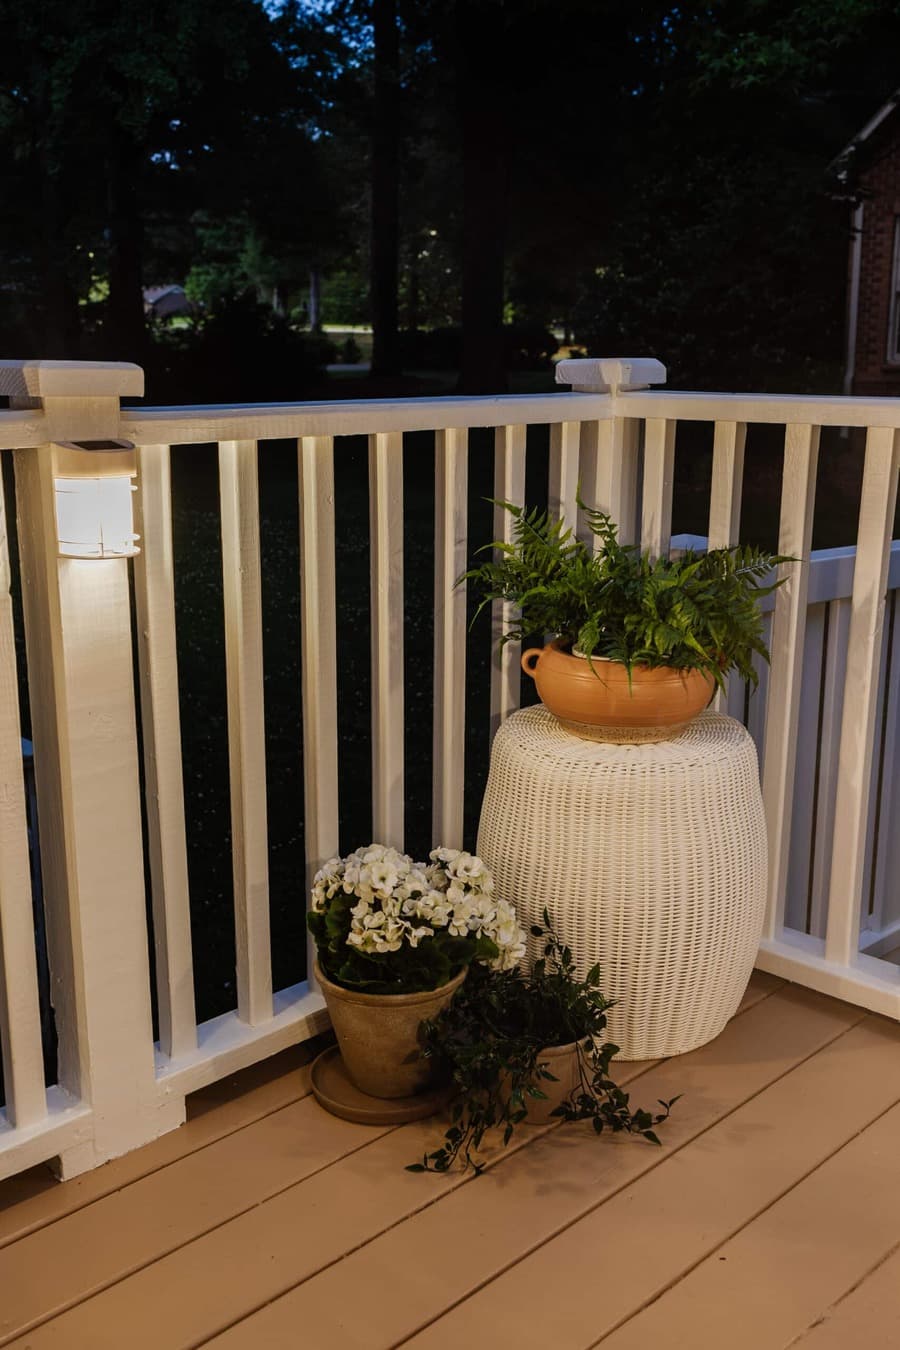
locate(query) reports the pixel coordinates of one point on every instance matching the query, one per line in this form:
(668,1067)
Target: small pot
(601,704)
(379,1035)
(562,1062)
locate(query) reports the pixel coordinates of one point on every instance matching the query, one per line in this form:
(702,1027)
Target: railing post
(610,450)
(81,683)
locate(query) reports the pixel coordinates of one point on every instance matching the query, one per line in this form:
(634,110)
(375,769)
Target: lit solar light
(94,487)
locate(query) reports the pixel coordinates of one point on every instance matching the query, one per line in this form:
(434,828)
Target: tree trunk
(61,331)
(315,300)
(125,328)
(484,126)
(385,189)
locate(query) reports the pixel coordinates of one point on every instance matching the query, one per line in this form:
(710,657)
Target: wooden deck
(769,1218)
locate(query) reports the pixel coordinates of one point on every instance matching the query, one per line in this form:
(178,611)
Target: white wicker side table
(650,858)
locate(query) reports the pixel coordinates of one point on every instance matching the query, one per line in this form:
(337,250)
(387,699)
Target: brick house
(869,168)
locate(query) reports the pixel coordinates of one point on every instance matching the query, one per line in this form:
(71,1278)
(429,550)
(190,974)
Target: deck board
(35,1198)
(682,1211)
(264,1222)
(867,1315)
(822,1237)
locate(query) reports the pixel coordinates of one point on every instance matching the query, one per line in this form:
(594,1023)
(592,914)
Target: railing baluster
(609,472)
(885,895)
(729,440)
(509,486)
(20,1018)
(239,490)
(876,518)
(319,657)
(450,551)
(803,823)
(564,471)
(829,744)
(659,469)
(386,532)
(154,597)
(801,450)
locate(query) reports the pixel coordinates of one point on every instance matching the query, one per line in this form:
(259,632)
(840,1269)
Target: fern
(697,612)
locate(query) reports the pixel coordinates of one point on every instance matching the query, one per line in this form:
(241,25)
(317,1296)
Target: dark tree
(385,244)
(482,66)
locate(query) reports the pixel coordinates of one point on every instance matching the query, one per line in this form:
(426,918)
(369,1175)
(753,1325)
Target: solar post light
(93,486)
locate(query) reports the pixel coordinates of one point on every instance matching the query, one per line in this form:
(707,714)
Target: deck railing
(826,721)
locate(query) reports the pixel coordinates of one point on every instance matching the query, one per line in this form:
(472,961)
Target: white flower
(383,877)
(469,869)
(415,883)
(437,877)
(459,920)
(374,853)
(482,912)
(444,855)
(414,935)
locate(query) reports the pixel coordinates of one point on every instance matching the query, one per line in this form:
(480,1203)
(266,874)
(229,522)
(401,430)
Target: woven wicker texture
(650,858)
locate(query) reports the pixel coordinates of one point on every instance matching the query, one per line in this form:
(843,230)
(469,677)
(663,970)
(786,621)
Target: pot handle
(530,660)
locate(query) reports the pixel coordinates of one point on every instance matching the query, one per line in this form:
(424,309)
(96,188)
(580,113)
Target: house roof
(841,162)
(154,293)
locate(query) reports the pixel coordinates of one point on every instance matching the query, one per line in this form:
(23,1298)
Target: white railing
(825,730)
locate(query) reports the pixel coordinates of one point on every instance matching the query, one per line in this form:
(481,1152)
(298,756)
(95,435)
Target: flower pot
(562,1062)
(379,1038)
(601,704)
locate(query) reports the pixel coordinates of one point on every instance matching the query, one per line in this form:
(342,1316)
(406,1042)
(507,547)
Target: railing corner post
(81,683)
(610,468)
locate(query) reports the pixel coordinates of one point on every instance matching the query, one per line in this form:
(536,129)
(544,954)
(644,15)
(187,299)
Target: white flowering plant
(385,924)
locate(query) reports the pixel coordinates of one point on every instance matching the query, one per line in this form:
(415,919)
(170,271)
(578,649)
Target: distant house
(870,170)
(164,302)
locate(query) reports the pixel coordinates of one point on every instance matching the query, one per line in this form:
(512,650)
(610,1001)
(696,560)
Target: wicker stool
(650,858)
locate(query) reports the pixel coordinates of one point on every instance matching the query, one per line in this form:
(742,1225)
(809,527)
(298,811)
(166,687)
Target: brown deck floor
(769,1218)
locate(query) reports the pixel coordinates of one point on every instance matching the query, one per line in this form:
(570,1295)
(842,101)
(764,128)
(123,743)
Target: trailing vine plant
(490,1040)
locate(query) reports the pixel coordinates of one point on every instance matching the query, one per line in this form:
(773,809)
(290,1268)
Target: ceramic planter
(602,705)
(379,1038)
(562,1062)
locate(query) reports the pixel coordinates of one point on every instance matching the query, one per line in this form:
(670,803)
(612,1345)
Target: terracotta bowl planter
(378,1035)
(601,705)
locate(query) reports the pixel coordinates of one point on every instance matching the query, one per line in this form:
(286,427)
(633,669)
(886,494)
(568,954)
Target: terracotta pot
(379,1035)
(601,705)
(562,1062)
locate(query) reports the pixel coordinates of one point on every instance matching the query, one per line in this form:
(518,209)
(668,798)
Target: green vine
(489,1042)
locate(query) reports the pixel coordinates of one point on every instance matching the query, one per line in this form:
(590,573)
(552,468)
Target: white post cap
(610,375)
(70,379)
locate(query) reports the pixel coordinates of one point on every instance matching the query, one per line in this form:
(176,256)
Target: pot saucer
(333,1089)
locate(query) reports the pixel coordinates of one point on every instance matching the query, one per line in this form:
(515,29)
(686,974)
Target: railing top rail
(195,425)
(178,426)
(21,428)
(807,409)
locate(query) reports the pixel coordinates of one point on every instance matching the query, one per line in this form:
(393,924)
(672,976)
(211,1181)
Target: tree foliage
(653,179)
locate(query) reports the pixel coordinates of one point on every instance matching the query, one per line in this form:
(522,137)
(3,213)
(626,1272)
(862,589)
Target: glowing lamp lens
(94,517)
